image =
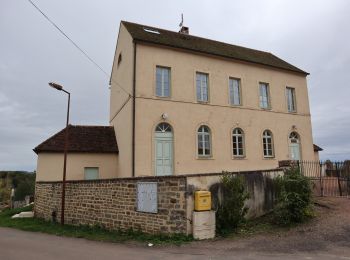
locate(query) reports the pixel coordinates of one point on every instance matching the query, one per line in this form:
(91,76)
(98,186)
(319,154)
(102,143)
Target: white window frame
(264,104)
(291,100)
(202,86)
(98,172)
(163,68)
(231,92)
(201,134)
(235,139)
(268,140)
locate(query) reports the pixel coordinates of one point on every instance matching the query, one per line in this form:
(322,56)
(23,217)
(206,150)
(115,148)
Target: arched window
(268,144)
(163,127)
(294,146)
(238,142)
(204,141)
(294,138)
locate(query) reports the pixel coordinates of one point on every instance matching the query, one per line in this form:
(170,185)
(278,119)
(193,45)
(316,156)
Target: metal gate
(328,178)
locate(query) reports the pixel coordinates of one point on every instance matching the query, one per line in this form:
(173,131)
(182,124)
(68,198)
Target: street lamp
(60,88)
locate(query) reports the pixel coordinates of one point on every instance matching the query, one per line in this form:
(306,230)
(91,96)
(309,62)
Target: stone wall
(259,185)
(112,204)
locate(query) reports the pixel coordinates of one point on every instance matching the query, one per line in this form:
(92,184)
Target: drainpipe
(133,112)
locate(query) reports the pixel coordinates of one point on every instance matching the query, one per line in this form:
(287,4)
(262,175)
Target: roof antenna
(183,29)
(182,21)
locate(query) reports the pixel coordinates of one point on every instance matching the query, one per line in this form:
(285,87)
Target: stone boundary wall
(112,204)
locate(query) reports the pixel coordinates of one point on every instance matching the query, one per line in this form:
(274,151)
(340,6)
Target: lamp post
(66,143)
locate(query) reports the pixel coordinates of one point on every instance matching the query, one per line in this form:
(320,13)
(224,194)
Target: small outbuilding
(92,154)
(317,149)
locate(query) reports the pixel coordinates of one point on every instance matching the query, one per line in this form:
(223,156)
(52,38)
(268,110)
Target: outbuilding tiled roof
(85,139)
(317,148)
(206,46)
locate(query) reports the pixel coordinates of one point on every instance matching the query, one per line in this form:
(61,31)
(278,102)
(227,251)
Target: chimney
(184,30)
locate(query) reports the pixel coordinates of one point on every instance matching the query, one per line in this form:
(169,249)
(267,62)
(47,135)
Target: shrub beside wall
(231,210)
(294,198)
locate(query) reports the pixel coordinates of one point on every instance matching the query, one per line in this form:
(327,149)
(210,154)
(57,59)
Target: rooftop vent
(149,30)
(184,30)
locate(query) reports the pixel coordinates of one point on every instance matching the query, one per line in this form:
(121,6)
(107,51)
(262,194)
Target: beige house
(182,104)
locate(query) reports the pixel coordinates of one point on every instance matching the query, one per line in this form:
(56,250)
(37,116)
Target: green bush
(24,188)
(231,211)
(293,198)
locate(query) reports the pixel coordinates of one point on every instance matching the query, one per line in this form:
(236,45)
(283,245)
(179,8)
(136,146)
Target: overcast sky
(313,35)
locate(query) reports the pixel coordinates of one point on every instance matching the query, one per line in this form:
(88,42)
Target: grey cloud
(312,35)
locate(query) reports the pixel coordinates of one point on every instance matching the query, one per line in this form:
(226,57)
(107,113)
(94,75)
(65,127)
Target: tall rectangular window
(204,142)
(235,92)
(162,81)
(268,144)
(291,99)
(202,87)
(264,95)
(91,173)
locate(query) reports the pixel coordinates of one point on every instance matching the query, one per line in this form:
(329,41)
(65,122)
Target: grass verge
(87,232)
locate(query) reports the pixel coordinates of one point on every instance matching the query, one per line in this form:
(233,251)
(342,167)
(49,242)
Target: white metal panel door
(294,151)
(147,197)
(164,154)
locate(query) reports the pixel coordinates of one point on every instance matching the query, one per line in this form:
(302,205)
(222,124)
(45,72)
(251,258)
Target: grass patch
(88,232)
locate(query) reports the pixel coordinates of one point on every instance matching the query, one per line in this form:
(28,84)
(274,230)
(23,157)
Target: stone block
(203,224)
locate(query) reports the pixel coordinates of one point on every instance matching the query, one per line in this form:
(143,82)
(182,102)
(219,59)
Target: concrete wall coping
(158,178)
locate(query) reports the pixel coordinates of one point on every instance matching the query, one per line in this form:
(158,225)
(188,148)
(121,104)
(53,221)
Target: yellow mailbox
(202,200)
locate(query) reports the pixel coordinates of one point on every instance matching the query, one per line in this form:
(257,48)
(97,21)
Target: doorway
(163,141)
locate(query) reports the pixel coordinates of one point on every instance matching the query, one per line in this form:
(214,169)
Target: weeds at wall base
(88,232)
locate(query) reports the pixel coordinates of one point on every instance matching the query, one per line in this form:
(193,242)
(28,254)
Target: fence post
(339,185)
(347,180)
(321,181)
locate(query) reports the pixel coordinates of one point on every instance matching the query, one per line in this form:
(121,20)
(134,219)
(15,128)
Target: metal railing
(328,178)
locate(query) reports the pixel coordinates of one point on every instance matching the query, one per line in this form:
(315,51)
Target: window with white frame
(204,141)
(235,91)
(162,81)
(91,173)
(290,92)
(202,87)
(264,95)
(268,144)
(238,142)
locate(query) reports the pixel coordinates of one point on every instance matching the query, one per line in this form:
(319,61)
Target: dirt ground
(330,229)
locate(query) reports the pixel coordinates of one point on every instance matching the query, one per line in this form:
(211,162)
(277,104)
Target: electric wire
(77,46)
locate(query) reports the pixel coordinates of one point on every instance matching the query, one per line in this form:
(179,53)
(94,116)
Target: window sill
(292,112)
(266,108)
(205,158)
(160,97)
(232,105)
(269,158)
(239,158)
(203,102)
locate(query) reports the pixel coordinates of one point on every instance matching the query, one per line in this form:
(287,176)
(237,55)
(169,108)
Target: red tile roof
(317,148)
(85,139)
